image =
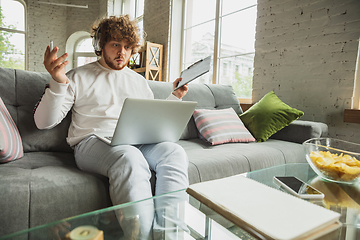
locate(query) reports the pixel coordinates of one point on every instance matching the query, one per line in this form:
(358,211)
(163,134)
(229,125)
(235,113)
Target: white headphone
(96,40)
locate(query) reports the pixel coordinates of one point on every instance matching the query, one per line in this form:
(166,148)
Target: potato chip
(337,167)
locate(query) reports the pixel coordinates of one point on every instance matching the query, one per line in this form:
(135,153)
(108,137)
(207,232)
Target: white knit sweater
(96,96)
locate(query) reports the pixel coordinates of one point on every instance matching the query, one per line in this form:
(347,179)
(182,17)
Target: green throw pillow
(268,116)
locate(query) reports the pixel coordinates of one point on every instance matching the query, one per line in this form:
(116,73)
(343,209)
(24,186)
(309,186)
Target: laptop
(147,121)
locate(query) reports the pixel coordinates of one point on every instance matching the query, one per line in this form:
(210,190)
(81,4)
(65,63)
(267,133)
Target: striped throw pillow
(221,126)
(10,141)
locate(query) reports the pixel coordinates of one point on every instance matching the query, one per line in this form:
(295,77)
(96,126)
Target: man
(95,94)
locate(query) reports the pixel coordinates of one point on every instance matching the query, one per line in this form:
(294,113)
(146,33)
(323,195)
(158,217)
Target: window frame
(355,100)
(81,54)
(217,42)
(130,7)
(26,60)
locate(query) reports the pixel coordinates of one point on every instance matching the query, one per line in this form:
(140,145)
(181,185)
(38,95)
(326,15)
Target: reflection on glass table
(169,216)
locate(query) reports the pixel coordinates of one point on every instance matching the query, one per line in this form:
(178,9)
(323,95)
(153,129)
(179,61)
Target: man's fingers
(50,58)
(63,64)
(47,51)
(60,66)
(178,80)
(60,59)
(59,62)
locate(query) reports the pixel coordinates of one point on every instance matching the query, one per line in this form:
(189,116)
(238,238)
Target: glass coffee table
(341,198)
(177,216)
(169,216)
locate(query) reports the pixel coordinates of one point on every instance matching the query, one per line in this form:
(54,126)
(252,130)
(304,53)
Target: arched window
(84,52)
(80,50)
(12,34)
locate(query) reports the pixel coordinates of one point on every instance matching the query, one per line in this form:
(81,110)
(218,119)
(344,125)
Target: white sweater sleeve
(54,105)
(173,97)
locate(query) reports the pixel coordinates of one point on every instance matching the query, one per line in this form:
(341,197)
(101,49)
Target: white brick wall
(156,25)
(49,22)
(306,52)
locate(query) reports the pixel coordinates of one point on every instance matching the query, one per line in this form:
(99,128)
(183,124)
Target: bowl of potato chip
(333,159)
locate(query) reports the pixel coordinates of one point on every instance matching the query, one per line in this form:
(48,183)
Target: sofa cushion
(207,162)
(212,96)
(225,97)
(268,116)
(43,187)
(221,126)
(299,131)
(20,91)
(10,140)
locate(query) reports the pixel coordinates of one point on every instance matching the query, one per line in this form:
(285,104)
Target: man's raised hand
(56,66)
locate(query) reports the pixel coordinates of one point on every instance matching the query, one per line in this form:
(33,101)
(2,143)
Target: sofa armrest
(299,131)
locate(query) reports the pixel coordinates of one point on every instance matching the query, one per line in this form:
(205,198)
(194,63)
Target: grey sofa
(45,185)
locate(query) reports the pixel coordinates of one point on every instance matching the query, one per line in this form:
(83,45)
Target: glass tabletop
(169,216)
(178,216)
(341,198)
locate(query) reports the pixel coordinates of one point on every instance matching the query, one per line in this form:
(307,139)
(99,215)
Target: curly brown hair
(118,29)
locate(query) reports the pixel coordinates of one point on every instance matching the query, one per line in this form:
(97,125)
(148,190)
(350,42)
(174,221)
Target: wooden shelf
(143,69)
(148,61)
(352,115)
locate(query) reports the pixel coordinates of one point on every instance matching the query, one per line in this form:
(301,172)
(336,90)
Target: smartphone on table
(298,188)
